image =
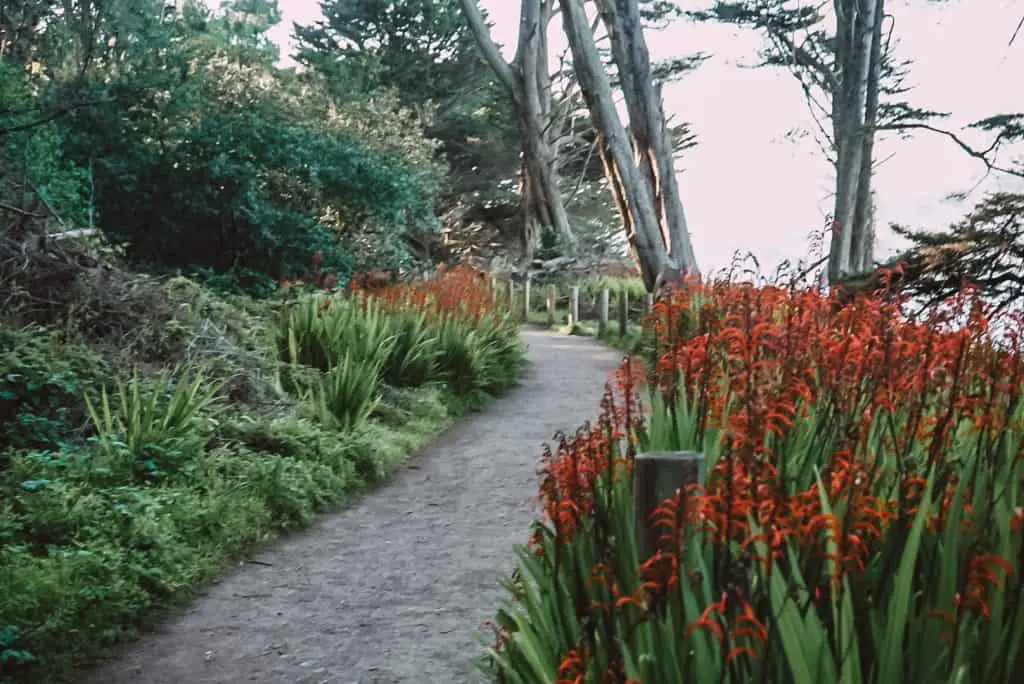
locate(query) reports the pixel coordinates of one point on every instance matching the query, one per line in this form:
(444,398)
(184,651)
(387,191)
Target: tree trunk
(652,146)
(528,211)
(528,81)
(855,110)
(639,168)
(864,212)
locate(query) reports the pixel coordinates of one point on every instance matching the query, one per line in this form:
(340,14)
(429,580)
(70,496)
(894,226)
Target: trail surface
(394,588)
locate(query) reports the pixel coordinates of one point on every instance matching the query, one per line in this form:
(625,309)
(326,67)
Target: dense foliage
(425,52)
(861,519)
(182,139)
(124,487)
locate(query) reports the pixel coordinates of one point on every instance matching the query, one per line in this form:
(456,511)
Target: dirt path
(393,589)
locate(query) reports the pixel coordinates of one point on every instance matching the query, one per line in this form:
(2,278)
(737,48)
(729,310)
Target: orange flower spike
(736,652)
(709,624)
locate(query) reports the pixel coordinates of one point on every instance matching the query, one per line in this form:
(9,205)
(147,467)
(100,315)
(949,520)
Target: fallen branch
(71,234)
(19,211)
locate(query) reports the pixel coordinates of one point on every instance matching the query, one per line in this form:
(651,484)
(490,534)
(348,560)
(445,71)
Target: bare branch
(19,211)
(1016,32)
(982,155)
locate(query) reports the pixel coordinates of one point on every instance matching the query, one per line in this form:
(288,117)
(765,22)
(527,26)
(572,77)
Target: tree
(425,53)
(528,81)
(179,136)
(586,189)
(639,162)
(854,84)
(851,77)
(984,250)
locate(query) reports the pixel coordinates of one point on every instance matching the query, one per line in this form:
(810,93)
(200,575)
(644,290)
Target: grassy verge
(134,471)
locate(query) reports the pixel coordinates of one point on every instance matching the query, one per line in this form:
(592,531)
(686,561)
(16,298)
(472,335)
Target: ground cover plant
(862,516)
(128,480)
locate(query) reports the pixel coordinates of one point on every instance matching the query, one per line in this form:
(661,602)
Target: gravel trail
(394,588)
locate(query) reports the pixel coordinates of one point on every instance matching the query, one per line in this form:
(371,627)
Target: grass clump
(131,474)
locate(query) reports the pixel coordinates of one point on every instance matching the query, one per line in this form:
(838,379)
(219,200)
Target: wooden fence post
(512,297)
(494,290)
(623,311)
(602,320)
(650,303)
(574,305)
(551,305)
(656,477)
(526,300)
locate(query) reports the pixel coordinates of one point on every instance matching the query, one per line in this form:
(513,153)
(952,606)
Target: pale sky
(746,187)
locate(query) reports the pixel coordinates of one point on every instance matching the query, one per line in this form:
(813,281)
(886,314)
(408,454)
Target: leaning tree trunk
(652,146)
(855,111)
(528,81)
(639,165)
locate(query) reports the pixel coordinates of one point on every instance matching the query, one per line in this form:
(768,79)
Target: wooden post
(656,477)
(574,305)
(623,312)
(650,303)
(602,320)
(512,296)
(551,305)
(494,290)
(526,300)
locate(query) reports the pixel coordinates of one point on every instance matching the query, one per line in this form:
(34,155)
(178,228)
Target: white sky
(745,187)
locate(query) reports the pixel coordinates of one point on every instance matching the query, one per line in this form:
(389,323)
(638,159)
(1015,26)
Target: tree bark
(528,81)
(639,164)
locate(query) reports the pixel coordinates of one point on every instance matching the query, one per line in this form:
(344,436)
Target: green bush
(479,360)
(414,355)
(155,430)
(41,380)
(348,392)
(319,330)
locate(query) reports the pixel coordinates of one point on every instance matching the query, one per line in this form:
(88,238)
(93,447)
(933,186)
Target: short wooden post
(650,303)
(526,299)
(551,305)
(656,477)
(623,312)
(574,305)
(512,296)
(602,320)
(494,290)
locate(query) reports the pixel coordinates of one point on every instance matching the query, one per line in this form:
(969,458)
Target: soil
(398,587)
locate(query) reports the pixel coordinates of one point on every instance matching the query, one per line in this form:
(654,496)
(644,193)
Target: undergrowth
(137,464)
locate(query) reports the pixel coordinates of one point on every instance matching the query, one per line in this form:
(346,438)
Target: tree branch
(19,211)
(980,155)
(802,57)
(1016,32)
(488,47)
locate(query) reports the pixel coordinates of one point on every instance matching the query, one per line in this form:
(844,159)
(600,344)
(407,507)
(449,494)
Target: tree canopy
(182,138)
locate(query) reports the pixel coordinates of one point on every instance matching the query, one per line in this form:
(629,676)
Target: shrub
(41,379)
(415,352)
(349,392)
(154,430)
(414,333)
(861,521)
(319,330)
